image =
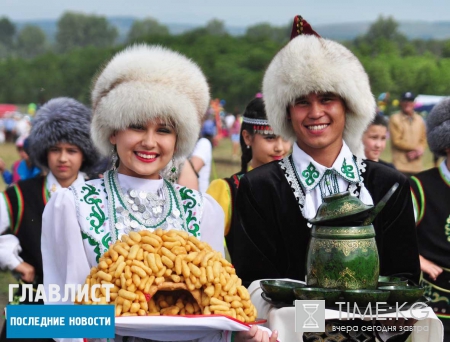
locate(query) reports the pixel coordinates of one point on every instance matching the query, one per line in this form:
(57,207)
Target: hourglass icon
(310,309)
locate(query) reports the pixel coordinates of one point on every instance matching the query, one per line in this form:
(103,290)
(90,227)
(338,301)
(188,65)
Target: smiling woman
(144,150)
(148,103)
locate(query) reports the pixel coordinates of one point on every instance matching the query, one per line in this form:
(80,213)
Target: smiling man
(317,93)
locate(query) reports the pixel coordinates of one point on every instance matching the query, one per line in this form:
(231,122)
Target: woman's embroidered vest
(97,218)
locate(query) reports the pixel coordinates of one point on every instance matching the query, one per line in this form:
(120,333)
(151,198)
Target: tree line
(33,70)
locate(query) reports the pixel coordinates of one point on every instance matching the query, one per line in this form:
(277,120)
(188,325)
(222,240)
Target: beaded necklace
(135,210)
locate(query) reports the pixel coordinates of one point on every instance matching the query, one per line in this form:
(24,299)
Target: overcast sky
(234,12)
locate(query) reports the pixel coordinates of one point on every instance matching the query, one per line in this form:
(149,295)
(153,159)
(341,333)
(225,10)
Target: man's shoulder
(395,116)
(428,175)
(417,116)
(267,175)
(380,171)
(26,183)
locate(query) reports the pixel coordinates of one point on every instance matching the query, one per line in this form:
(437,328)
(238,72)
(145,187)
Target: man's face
(318,121)
(407,107)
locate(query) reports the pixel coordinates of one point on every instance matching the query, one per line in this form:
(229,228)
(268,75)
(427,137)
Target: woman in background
(258,146)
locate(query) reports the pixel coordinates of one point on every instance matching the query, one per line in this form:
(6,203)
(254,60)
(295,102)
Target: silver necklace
(135,210)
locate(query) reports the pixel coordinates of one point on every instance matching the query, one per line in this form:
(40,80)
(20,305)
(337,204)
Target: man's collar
(311,172)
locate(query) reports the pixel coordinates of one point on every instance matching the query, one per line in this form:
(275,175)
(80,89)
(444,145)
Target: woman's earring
(114,158)
(248,146)
(173,172)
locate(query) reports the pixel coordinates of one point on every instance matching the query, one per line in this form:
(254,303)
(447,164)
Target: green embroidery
(97,213)
(434,295)
(106,241)
(447,229)
(92,242)
(310,174)
(347,170)
(189,202)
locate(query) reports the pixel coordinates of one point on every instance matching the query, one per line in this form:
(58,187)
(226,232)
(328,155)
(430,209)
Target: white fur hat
(313,64)
(142,83)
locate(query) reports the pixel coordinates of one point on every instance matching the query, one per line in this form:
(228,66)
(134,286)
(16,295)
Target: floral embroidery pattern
(347,170)
(106,241)
(96,211)
(287,165)
(92,242)
(189,203)
(310,174)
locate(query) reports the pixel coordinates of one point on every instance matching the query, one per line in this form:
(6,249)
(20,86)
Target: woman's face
(266,148)
(144,150)
(374,140)
(318,121)
(64,161)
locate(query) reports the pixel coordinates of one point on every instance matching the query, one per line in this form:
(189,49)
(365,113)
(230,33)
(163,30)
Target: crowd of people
(303,139)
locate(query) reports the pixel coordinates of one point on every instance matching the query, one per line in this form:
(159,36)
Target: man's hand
(255,335)
(412,155)
(419,151)
(429,268)
(27,272)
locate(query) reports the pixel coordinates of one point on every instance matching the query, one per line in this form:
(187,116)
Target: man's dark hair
(379,120)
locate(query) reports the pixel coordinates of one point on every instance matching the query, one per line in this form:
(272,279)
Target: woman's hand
(429,268)
(27,272)
(255,335)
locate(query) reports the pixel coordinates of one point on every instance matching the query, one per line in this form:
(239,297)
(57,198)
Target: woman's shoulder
(98,184)
(189,197)
(217,186)
(193,200)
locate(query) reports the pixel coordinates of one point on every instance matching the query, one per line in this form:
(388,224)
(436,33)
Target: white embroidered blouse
(77,226)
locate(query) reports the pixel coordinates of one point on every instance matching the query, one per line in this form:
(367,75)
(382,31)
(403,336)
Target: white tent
(426,100)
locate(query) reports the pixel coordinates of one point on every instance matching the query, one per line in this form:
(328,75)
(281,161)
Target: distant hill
(346,31)
(412,29)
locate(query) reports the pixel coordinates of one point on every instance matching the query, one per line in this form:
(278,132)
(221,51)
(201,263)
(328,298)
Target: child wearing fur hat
(259,146)
(60,143)
(148,103)
(317,93)
(431,194)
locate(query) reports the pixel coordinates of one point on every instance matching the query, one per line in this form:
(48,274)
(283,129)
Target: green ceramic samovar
(343,258)
(342,252)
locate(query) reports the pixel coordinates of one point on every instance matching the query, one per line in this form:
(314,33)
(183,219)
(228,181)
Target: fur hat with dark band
(438,127)
(62,120)
(143,83)
(311,64)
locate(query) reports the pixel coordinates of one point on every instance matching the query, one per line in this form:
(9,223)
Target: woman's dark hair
(255,110)
(379,120)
